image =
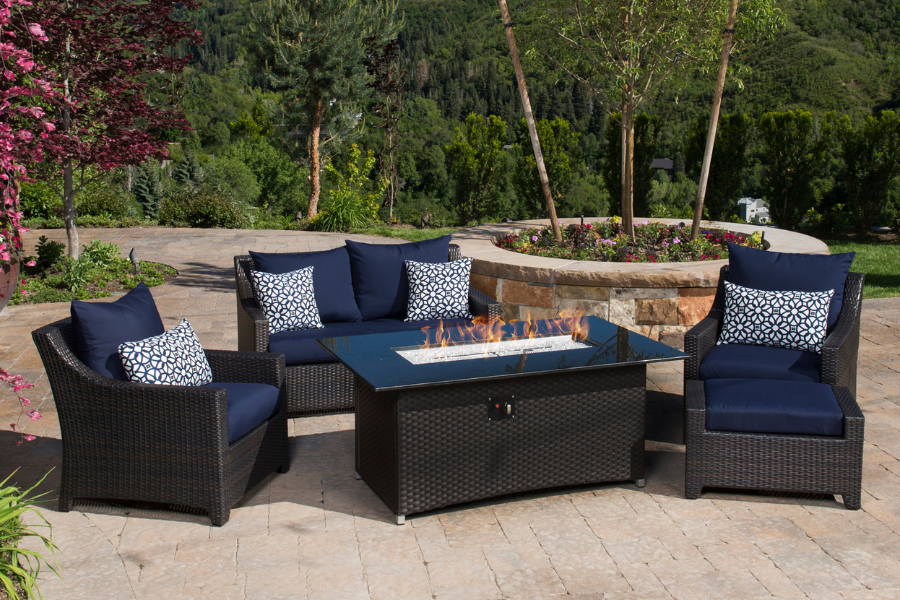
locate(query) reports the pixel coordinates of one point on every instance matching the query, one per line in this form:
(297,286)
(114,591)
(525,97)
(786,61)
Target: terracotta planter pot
(9,276)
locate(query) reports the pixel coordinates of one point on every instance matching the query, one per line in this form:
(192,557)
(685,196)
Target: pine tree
(148,190)
(323,75)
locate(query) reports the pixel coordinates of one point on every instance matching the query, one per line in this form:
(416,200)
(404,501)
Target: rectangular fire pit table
(472,420)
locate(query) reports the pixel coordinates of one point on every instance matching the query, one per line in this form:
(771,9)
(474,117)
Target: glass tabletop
(444,355)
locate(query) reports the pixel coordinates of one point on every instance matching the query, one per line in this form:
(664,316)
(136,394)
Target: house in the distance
(753,210)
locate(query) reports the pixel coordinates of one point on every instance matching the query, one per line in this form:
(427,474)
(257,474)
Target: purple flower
(644,222)
(676,241)
(534,238)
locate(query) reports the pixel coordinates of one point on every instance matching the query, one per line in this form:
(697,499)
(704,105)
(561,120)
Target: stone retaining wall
(660,300)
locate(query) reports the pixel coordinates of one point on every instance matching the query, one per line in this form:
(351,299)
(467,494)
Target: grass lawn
(879,262)
(407,233)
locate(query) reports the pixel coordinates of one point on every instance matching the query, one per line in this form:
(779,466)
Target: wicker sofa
(169,444)
(320,384)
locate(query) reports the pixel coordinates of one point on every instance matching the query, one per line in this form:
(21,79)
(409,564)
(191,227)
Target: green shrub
(18,565)
(343,213)
(231,176)
(205,207)
(99,254)
(356,200)
(103,200)
(48,252)
(37,199)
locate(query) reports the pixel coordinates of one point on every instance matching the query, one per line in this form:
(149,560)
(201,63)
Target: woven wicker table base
(429,447)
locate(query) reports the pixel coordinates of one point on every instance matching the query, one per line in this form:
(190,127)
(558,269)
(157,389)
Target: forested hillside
(832,55)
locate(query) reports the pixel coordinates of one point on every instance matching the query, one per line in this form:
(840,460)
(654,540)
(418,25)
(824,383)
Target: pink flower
(534,238)
(31,263)
(12,426)
(34,415)
(35,30)
(25,401)
(676,241)
(26,63)
(30,438)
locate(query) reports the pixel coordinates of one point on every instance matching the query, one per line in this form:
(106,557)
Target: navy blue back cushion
(766,406)
(331,279)
(379,275)
(781,272)
(100,327)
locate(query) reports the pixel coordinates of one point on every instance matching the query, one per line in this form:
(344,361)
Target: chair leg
(219,515)
(692,490)
(65,503)
(284,467)
(852,500)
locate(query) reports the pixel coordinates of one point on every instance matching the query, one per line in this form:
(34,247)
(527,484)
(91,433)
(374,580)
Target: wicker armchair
(316,388)
(168,444)
(839,353)
(816,464)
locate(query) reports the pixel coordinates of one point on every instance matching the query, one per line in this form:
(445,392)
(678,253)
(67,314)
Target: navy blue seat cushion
(379,275)
(100,327)
(300,347)
(249,404)
(781,272)
(769,406)
(332,282)
(739,361)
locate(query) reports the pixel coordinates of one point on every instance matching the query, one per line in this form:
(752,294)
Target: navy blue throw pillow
(101,327)
(783,272)
(331,279)
(379,275)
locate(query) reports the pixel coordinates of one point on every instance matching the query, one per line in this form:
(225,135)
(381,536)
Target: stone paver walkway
(316,533)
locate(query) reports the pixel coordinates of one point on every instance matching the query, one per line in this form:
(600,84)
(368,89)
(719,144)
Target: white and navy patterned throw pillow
(795,320)
(171,358)
(287,299)
(438,290)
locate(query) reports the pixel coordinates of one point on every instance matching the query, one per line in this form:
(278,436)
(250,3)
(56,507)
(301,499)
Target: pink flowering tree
(24,128)
(24,134)
(102,54)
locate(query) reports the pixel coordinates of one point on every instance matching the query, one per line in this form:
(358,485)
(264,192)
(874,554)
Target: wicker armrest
(694,397)
(253,327)
(841,348)
(482,305)
(852,411)
(246,367)
(159,415)
(699,341)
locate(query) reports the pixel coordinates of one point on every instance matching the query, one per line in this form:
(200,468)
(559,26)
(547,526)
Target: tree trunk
(69,209)
(714,117)
(529,119)
(392,175)
(628,188)
(314,182)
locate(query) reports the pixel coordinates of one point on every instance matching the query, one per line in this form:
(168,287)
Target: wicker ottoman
(788,462)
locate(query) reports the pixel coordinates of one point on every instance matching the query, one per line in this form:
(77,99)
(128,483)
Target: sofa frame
(316,388)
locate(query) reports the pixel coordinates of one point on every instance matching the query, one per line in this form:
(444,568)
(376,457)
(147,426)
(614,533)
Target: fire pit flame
(483,338)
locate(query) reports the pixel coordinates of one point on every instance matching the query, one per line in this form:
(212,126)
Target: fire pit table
(445,416)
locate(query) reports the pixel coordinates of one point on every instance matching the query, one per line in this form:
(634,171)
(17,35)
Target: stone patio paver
(316,533)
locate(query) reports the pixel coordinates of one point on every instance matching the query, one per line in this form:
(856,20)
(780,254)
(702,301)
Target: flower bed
(606,241)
